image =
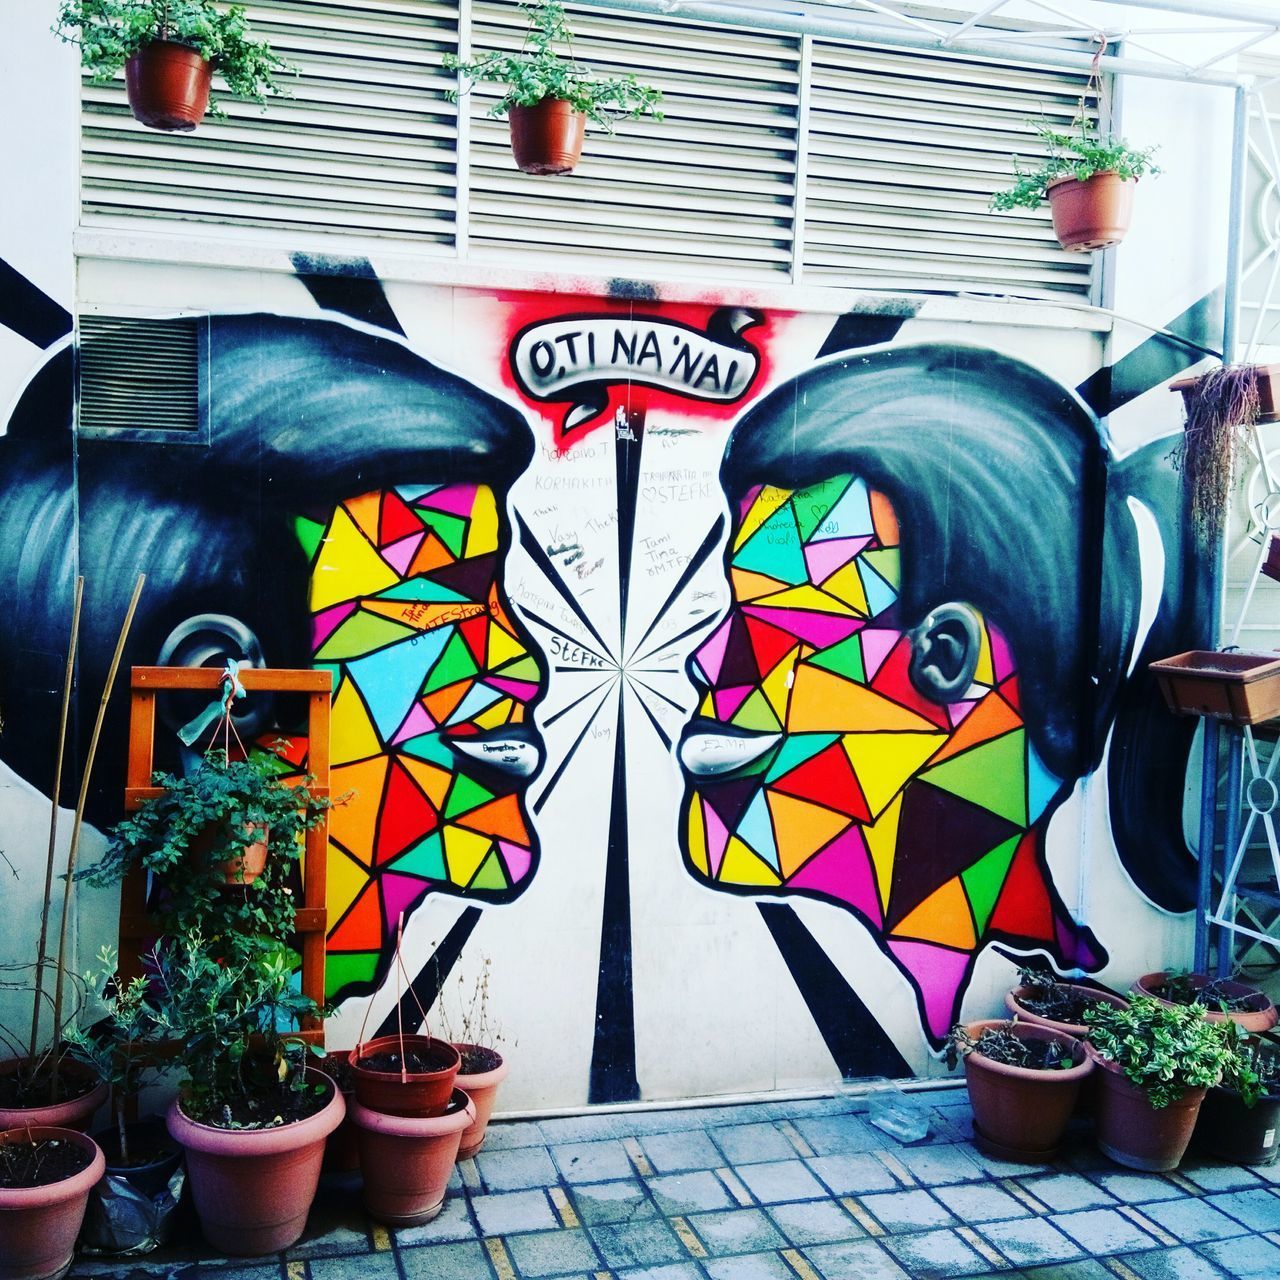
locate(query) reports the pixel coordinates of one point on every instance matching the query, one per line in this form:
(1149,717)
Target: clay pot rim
(412,1077)
(461,1114)
(51,1193)
(1077,1031)
(482,1079)
(169,44)
(82,1106)
(1081,182)
(211,1140)
(1146,984)
(543,102)
(1031,1031)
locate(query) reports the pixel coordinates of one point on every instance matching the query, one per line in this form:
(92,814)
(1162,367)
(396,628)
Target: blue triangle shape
(390,679)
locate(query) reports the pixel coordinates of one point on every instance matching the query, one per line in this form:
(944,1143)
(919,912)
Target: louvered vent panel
(140,377)
(367,145)
(906,150)
(708,192)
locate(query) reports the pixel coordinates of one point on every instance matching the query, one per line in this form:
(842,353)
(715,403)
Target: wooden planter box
(1241,687)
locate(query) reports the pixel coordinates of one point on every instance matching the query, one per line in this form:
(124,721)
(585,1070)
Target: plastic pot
(1091,214)
(1134,1133)
(547,137)
(168,86)
(131,1209)
(1018,1113)
(75,1113)
(416,1093)
(1261,1016)
(1013,1002)
(1231,1131)
(407,1160)
(482,1088)
(253,1188)
(39,1225)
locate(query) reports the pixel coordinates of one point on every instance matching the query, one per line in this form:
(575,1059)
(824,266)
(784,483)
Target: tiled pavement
(780,1191)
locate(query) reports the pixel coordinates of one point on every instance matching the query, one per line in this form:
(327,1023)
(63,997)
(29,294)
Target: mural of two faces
(923,625)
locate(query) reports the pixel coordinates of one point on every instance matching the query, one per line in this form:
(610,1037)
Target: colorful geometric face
(816,767)
(431,731)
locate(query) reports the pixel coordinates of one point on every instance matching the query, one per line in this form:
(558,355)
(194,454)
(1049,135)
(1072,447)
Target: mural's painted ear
(945,648)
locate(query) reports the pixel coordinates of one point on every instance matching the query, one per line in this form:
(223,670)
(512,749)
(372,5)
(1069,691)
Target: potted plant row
(549,96)
(169,51)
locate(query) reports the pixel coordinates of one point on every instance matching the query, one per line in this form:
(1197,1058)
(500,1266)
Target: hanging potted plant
(170,50)
(1157,1060)
(549,95)
(1088,179)
(1240,1119)
(1023,1082)
(1041,999)
(1221,999)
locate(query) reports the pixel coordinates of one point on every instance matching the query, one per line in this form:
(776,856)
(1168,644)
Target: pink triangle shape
(824,558)
(876,645)
(399,893)
(729,700)
(327,621)
(940,974)
(710,655)
(956,711)
(818,629)
(842,870)
(416,722)
(520,690)
(1001,657)
(399,554)
(518,860)
(456,499)
(717,838)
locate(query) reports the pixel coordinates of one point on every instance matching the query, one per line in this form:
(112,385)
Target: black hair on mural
(1008,501)
(303,412)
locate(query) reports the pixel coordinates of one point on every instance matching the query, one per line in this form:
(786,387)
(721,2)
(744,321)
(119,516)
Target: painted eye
(707,752)
(510,750)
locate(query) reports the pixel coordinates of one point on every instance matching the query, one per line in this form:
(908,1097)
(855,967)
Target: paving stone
(815,1222)
(675,1152)
(681,1121)
(996,1167)
(453,1223)
(518,1169)
(690,1192)
(552,1253)
(1211,1175)
(1103,1231)
(371,1266)
(935,1166)
(1259,1209)
(854,1260)
(753,1143)
(1246,1257)
(736,1231)
(637,1244)
(1065,1192)
(1027,1241)
(264,1271)
(592,1161)
(980,1202)
(612,1202)
(926,1254)
(1172,1264)
(1082,1269)
(509,1211)
(503,1135)
(330,1240)
(586,1128)
(672,1271)
(749,1266)
(780,1181)
(853,1175)
(907,1210)
(746,1113)
(1137,1188)
(1193,1220)
(464,1261)
(840,1135)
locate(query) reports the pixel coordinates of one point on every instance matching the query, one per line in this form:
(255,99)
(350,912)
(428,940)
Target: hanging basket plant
(170,51)
(549,96)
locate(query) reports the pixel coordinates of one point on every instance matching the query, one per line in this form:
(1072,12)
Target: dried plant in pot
(549,96)
(475,1036)
(1041,998)
(1221,999)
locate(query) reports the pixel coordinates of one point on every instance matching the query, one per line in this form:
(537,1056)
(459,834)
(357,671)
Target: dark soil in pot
(41,1163)
(264,1109)
(477,1060)
(19,1090)
(412,1061)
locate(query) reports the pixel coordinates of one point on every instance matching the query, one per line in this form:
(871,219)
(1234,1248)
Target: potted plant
(1220,998)
(1041,999)
(45,1177)
(1240,1119)
(1157,1060)
(1088,179)
(549,95)
(482,1068)
(169,50)
(1023,1081)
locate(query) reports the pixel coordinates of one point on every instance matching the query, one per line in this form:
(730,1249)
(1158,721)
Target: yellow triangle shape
(492,717)
(742,866)
(943,917)
(750,586)
(347,566)
(846,585)
(807,597)
(696,835)
(882,844)
(777,685)
(464,852)
(767,501)
(882,762)
(984,672)
(801,829)
(343,882)
(482,531)
(822,701)
(433,780)
(502,647)
(351,733)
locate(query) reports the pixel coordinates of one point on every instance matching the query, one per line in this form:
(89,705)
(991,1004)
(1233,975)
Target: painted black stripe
(627,452)
(552,575)
(859,329)
(696,561)
(29,311)
(433,975)
(349,286)
(855,1039)
(663,736)
(573,750)
(667,644)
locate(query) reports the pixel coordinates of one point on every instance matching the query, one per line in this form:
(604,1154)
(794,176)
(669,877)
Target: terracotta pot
(251,861)
(253,1188)
(418,1093)
(341,1154)
(1261,1016)
(547,138)
(1021,1114)
(1091,214)
(1013,1002)
(407,1160)
(482,1088)
(1133,1132)
(1231,1131)
(39,1225)
(168,86)
(75,1113)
